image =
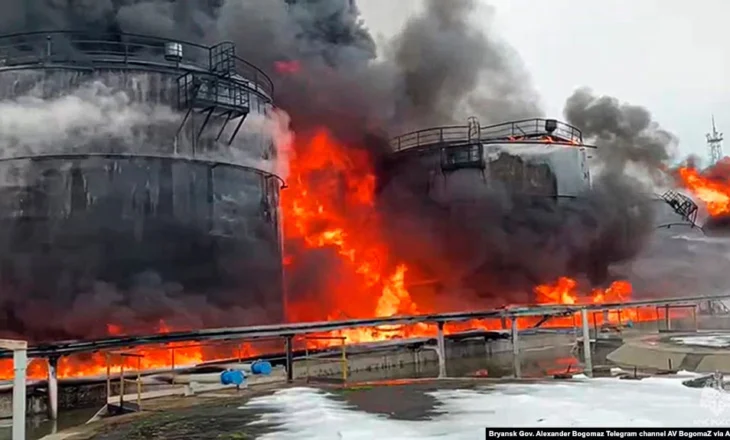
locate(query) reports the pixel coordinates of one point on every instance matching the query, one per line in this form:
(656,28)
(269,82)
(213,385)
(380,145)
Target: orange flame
(712,190)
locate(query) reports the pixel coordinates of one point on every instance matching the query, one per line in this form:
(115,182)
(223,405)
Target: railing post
(20,363)
(441,348)
(587,355)
(53,388)
(344,360)
(139,383)
(516,362)
(108,378)
(306,359)
(289,359)
(172,366)
(121,386)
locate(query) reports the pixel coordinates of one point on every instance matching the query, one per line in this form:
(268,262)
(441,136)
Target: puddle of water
(37,427)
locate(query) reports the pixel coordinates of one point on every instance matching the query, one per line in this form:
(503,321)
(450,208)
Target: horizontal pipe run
(280,330)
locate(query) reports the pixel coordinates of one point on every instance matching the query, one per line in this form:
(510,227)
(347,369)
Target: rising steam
(91,113)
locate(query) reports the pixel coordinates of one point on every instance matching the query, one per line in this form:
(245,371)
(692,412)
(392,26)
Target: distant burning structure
(712,187)
(140,177)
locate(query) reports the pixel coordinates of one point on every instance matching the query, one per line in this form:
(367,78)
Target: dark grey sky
(668,55)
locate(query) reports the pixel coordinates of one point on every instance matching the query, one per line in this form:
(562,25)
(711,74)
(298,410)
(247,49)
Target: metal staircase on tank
(218,94)
(682,205)
(468,155)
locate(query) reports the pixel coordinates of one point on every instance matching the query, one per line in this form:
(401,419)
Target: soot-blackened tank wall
(68,222)
(423,172)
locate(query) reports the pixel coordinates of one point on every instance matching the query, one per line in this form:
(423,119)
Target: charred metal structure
(190,202)
(534,157)
(682,206)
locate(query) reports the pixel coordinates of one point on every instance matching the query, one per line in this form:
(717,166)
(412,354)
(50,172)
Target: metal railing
(82,50)
(212,90)
(137,381)
(524,130)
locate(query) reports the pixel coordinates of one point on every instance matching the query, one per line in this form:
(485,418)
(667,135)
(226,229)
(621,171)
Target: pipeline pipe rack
(288,331)
(65,348)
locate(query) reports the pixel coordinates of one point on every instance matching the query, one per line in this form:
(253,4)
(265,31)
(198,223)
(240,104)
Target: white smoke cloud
(30,124)
(283,141)
(97,118)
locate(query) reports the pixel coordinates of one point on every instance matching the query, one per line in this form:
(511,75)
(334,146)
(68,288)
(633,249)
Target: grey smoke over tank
(441,68)
(166,18)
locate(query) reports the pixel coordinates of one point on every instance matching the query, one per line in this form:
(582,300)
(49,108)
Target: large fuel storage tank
(184,192)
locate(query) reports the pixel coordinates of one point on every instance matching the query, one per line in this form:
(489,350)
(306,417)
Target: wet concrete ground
(204,422)
(397,399)
(402,401)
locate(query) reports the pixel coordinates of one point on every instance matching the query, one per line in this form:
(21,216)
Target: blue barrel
(261,367)
(232,377)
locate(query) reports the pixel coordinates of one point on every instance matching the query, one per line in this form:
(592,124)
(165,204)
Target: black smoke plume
(626,134)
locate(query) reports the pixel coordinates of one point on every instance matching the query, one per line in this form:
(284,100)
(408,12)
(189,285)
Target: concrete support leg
(516,362)
(289,359)
(20,362)
(667,319)
(588,356)
(441,350)
(53,388)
